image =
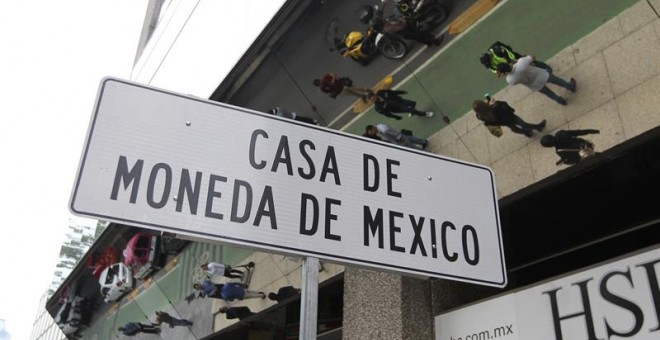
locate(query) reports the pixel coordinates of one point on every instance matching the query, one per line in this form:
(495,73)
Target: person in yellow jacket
(500,53)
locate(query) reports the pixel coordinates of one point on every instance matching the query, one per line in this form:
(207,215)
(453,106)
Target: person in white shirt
(388,134)
(215,268)
(535,78)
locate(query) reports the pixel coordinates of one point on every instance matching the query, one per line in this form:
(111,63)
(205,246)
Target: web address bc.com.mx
(500,332)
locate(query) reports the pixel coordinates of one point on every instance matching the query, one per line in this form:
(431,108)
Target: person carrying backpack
(494,113)
(500,53)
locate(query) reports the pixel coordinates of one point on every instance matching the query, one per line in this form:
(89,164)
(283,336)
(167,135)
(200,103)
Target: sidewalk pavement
(617,93)
(453,78)
(617,68)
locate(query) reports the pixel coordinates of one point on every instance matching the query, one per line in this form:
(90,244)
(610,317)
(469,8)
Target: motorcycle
(363,47)
(427,14)
(396,24)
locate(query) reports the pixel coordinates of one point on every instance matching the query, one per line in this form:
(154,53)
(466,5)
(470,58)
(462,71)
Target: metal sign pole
(309,298)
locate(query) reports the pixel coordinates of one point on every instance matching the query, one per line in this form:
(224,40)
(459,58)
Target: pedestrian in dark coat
(569,147)
(499,113)
(389,102)
(162,317)
(133,328)
(240,312)
(284,293)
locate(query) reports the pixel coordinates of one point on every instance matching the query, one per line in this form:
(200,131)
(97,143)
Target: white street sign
(166,161)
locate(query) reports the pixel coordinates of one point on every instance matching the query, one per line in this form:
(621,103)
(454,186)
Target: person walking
(389,102)
(570,148)
(133,328)
(221,269)
(280,112)
(283,293)
(535,78)
(240,312)
(499,53)
(334,85)
(386,133)
(162,317)
(236,290)
(209,288)
(499,113)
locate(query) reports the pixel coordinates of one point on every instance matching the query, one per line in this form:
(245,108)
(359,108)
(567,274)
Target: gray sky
(53,56)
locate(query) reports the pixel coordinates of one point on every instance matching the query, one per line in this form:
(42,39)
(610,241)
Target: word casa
(283,158)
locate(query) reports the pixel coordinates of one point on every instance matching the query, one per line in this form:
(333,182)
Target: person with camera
(495,113)
(570,148)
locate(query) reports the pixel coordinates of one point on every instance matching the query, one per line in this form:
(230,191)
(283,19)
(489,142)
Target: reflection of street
(303,54)
(170,290)
(164,291)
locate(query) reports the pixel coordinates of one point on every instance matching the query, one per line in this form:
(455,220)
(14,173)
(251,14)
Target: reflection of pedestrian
(284,293)
(133,328)
(522,72)
(240,312)
(215,268)
(499,113)
(569,147)
(208,288)
(499,53)
(389,102)
(334,85)
(236,290)
(384,132)
(172,321)
(280,112)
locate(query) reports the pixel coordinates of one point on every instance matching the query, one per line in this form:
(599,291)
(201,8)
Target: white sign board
(167,161)
(619,300)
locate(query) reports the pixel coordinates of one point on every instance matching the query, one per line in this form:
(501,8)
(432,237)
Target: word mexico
(188,191)
(245,178)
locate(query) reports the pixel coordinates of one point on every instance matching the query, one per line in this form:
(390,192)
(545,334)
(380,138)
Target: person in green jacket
(499,53)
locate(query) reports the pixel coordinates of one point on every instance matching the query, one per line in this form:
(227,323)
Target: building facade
(44,327)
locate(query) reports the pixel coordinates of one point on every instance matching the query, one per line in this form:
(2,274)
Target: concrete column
(382,306)
(417,307)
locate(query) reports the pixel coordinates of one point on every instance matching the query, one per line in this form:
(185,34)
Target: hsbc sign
(615,300)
